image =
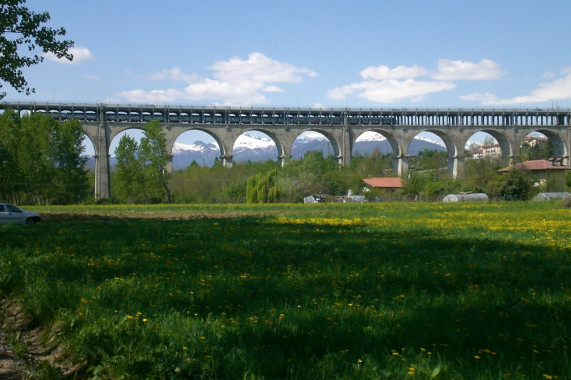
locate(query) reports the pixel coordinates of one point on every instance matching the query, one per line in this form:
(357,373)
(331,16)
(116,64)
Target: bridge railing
(226,115)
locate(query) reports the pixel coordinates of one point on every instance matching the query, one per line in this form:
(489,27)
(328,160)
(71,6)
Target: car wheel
(31,221)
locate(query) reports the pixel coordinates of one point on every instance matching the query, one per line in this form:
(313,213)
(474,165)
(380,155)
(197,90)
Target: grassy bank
(300,291)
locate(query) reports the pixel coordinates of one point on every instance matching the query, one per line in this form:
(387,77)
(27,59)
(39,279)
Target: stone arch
(397,151)
(266,132)
(172,134)
(560,150)
(506,147)
(207,159)
(115,131)
(391,139)
(333,140)
(455,155)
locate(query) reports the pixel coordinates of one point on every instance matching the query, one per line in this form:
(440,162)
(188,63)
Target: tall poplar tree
(128,184)
(153,155)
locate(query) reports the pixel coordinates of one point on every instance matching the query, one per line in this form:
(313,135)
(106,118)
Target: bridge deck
(297,116)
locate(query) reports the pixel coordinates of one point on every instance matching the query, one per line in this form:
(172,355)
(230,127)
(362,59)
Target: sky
(290,53)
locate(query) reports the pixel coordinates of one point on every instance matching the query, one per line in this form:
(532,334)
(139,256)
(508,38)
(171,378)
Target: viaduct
(102,122)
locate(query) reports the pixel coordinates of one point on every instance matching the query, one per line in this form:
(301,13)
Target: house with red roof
(385,182)
(552,170)
(386,185)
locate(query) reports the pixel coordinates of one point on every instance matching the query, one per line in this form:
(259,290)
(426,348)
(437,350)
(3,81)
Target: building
(389,183)
(491,150)
(494,150)
(544,170)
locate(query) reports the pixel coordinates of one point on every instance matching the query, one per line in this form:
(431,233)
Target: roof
(465,197)
(384,182)
(550,196)
(537,165)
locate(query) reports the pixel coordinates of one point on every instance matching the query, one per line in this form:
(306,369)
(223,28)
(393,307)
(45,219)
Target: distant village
(494,150)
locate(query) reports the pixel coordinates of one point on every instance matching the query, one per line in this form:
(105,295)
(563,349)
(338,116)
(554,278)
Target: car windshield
(2,208)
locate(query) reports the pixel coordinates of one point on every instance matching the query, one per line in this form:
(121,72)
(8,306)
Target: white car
(12,214)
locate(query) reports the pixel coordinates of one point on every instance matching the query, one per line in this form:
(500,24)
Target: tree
(22,30)
(262,188)
(128,170)
(153,156)
(40,160)
(66,149)
(480,172)
(141,169)
(516,184)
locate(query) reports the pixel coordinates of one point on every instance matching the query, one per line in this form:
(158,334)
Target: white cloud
(486,69)
(80,54)
(558,89)
(383,84)
(390,90)
(174,74)
(235,81)
(400,72)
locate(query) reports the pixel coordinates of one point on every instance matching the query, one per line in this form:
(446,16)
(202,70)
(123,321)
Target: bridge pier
(102,167)
(456,166)
(400,164)
(227,161)
(169,166)
(283,160)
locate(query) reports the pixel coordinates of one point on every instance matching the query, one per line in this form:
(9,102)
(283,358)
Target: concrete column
(283,160)
(400,164)
(456,166)
(102,169)
(169,165)
(226,161)
(345,147)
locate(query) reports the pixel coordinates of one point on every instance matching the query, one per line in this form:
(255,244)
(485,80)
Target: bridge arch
(270,134)
(193,137)
(557,140)
(507,147)
(397,149)
(453,143)
(172,134)
(333,140)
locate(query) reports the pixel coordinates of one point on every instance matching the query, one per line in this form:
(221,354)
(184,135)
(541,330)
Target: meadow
(325,291)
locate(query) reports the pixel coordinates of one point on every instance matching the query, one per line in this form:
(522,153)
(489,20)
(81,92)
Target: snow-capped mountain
(258,148)
(261,148)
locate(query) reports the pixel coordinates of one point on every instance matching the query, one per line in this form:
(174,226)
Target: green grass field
(326,291)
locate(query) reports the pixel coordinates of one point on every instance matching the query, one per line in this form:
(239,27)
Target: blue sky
(360,54)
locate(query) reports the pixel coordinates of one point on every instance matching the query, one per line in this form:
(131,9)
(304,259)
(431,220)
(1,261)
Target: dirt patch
(25,353)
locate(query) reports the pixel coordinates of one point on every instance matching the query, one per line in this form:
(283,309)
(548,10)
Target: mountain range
(250,147)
